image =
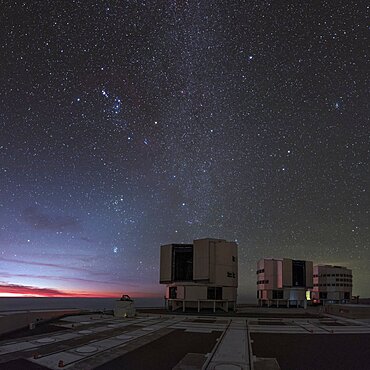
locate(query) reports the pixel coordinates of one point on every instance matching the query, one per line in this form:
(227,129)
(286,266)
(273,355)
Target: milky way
(127,125)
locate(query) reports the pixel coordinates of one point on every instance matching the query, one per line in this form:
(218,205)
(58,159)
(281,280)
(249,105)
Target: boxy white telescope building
(331,284)
(284,282)
(202,275)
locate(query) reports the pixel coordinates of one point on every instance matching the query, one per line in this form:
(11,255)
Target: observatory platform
(258,341)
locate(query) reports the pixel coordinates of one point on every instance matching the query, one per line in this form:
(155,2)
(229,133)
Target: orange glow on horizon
(12,290)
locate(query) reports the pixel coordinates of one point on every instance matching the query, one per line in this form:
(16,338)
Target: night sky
(125,125)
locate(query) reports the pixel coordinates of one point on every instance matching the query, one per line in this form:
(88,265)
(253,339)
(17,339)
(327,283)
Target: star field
(127,125)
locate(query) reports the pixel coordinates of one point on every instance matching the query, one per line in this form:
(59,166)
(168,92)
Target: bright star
(117,105)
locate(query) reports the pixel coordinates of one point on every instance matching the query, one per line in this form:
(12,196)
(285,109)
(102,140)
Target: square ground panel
(314,351)
(164,353)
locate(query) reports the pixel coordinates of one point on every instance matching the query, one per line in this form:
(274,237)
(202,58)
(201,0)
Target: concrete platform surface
(190,342)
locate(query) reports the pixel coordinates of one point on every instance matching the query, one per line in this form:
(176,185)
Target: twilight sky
(125,125)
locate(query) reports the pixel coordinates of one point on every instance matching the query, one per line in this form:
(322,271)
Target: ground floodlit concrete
(234,348)
(13,320)
(163,342)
